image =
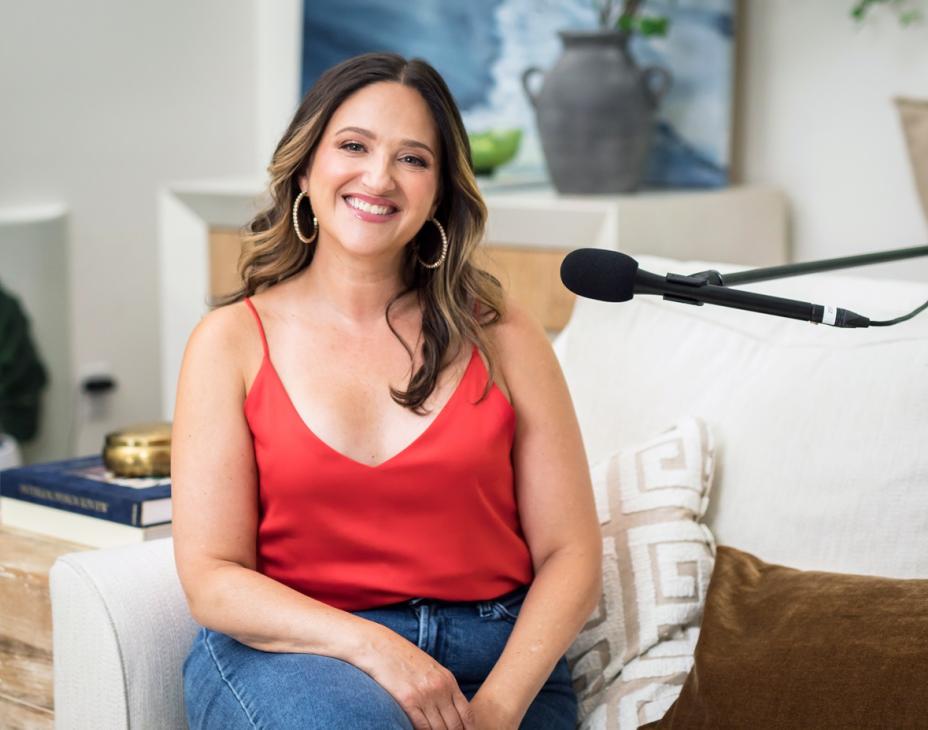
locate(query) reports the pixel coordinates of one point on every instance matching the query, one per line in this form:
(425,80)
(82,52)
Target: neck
(355,290)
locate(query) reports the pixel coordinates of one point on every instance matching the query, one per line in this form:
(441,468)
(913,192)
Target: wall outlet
(95,380)
(94,390)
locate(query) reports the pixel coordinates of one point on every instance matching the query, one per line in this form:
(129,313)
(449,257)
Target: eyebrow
(369,134)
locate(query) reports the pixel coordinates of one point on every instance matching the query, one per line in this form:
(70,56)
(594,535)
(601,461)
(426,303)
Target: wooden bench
(26,680)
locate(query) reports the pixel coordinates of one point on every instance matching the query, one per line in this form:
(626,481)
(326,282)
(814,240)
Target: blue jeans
(229,685)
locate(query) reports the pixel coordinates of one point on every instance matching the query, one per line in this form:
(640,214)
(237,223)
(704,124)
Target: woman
(383,516)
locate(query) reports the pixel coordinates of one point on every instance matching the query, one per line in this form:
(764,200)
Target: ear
(303,177)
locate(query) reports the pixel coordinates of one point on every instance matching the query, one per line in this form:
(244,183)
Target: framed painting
(481,48)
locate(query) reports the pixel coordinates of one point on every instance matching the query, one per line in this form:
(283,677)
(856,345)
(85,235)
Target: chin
(371,250)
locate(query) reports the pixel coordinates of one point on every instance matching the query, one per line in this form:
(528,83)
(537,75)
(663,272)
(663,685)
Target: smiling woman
(375,457)
(417,117)
(358,176)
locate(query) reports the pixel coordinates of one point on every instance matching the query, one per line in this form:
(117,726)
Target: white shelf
(36,213)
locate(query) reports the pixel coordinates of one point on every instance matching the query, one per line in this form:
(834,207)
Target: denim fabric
(229,685)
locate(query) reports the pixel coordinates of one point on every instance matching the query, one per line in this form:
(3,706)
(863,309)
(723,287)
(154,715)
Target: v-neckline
(427,430)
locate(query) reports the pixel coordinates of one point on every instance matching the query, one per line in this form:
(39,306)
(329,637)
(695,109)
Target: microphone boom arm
(809,267)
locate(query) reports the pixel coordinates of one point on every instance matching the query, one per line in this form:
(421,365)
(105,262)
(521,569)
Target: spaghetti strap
(260,326)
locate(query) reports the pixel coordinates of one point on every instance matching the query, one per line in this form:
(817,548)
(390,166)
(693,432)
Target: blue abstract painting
(481,48)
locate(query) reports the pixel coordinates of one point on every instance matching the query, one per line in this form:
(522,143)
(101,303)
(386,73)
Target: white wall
(816,117)
(102,103)
(279,45)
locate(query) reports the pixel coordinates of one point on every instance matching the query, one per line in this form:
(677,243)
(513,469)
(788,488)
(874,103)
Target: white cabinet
(743,224)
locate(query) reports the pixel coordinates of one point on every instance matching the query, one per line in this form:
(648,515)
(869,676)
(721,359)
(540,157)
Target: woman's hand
(427,691)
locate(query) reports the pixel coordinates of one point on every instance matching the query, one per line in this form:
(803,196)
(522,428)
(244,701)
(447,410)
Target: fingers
(426,691)
(437,719)
(439,704)
(441,709)
(464,711)
(417,718)
(452,714)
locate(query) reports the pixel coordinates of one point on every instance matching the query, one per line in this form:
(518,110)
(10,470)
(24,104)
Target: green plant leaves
(650,25)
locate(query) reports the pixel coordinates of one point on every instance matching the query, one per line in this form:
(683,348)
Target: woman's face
(373,180)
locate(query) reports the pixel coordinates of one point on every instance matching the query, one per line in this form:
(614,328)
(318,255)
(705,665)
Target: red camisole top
(436,520)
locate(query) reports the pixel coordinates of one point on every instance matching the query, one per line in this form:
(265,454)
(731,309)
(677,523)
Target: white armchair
(121,630)
(822,465)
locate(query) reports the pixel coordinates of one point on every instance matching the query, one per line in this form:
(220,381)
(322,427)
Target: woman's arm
(215,499)
(558,515)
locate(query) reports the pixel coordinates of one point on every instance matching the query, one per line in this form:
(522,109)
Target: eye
(352,146)
(414,160)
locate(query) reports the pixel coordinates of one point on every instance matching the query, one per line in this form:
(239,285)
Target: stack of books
(81,501)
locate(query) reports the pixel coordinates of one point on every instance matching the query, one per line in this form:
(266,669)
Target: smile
(357,204)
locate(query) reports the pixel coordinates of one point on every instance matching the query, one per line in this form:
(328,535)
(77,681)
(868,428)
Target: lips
(370,205)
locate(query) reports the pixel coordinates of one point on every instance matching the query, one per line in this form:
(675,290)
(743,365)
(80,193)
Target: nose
(378,174)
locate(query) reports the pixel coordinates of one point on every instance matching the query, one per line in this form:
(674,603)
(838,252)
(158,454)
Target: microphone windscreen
(596,273)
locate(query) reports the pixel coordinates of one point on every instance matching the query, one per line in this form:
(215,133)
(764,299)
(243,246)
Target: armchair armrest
(121,629)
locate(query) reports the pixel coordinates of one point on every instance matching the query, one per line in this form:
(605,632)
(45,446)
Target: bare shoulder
(517,324)
(223,328)
(521,346)
(223,340)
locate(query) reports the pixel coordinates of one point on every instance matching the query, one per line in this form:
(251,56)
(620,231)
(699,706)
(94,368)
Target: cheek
(425,188)
(328,168)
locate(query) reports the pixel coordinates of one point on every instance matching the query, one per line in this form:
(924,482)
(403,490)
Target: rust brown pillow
(785,648)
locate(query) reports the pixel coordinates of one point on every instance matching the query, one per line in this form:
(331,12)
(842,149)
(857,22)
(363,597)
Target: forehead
(390,110)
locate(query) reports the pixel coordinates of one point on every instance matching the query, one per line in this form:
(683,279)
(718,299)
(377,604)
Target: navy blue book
(85,486)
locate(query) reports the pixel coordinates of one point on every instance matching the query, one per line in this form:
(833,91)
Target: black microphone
(610,276)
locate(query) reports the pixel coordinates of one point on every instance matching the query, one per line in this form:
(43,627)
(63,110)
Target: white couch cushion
(821,432)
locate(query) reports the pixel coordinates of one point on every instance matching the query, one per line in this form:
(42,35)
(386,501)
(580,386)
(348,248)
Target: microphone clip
(694,280)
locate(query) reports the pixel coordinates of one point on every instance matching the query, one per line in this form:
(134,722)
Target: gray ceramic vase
(595,113)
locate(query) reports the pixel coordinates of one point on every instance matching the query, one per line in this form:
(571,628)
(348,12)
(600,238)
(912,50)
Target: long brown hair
(458,298)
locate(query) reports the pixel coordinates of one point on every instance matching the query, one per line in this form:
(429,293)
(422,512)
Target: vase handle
(526,75)
(657,81)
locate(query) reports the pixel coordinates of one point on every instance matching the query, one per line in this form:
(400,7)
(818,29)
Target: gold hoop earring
(296,222)
(444,248)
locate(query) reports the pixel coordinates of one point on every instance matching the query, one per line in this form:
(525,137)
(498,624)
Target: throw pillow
(647,686)
(784,648)
(657,556)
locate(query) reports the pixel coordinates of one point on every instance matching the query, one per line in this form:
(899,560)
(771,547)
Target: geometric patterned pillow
(647,687)
(657,556)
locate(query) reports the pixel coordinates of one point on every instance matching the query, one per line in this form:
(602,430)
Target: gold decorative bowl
(142,450)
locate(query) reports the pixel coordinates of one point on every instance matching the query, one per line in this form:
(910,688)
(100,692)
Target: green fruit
(491,149)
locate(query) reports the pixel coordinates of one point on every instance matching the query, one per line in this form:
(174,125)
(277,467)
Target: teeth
(367,207)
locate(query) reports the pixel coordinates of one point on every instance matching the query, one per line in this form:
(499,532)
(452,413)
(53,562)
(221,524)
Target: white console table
(742,224)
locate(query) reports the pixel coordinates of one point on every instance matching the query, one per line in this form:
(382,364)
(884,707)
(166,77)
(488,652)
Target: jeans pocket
(508,605)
